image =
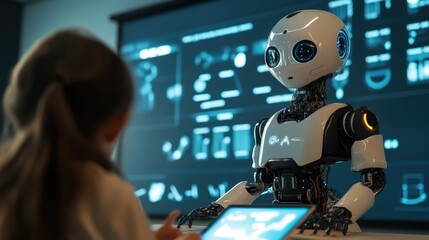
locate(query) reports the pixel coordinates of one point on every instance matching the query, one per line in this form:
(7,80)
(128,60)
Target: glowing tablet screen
(256,222)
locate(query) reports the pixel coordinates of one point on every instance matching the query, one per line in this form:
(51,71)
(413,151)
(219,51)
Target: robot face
(307,45)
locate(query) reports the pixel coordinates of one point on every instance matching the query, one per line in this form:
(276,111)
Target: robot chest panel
(300,141)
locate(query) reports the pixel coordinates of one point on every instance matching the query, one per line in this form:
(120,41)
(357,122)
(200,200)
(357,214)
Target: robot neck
(305,101)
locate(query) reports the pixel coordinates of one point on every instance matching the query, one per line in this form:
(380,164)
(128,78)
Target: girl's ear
(115,126)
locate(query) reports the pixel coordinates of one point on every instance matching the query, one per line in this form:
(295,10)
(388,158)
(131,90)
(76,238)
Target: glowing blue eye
(343,45)
(304,51)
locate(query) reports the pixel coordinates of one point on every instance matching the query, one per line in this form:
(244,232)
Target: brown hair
(59,95)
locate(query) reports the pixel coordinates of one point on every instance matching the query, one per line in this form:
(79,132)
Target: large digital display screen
(201,84)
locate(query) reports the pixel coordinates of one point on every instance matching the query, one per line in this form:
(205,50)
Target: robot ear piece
(272,57)
(343,44)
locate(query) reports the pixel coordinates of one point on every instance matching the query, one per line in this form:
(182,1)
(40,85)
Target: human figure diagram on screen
(295,147)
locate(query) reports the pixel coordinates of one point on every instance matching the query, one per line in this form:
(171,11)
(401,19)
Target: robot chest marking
(300,141)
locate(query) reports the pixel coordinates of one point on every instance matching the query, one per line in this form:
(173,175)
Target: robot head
(306,45)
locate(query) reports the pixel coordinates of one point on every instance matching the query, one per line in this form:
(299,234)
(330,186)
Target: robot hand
(212,211)
(338,218)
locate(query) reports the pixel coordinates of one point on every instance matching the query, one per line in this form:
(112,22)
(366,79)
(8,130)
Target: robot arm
(367,157)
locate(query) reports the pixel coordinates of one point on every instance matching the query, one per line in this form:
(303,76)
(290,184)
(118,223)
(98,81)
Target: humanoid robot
(295,147)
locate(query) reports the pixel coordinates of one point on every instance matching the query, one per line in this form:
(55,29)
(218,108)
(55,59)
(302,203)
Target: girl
(67,102)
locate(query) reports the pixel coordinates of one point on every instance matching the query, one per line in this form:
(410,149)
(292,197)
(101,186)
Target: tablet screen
(257,222)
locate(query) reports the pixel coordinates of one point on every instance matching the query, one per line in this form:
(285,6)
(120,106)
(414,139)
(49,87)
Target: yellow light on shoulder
(365,120)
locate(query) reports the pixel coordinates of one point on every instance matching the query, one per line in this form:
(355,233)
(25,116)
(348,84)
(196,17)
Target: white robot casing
(323,29)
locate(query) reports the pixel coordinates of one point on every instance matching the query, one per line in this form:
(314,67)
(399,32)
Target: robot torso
(303,142)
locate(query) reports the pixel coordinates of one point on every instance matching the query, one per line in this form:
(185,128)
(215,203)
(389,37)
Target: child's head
(95,82)
(67,100)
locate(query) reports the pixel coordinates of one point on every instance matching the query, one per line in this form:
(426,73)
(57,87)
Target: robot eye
(272,57)
(343,44)
(304,51)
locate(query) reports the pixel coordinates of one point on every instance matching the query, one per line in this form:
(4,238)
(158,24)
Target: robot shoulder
(259,130)
(361,123)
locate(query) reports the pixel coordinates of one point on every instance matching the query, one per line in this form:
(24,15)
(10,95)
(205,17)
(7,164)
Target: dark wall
(10,30)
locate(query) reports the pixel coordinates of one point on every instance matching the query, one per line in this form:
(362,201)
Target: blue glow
(202,118)
(413,189)
(412,72)
(258,47)
(261,90)
(226,73)
(241,127)
(371,34)
(156,191)
(418,51)
(242,143)
(203,130)
(212,104)
(388,45)
(339,94)
(413,1)
(200,86)
(201,97)
(339,3)
(219,191)
(241,153)
(201,156)
(384,57)
(384,74)
(155,52)
(378,33)
(205,77)
(418,64)
(177,155)
(418,25)
(217,33)
(384,31)
(279,98)
(262,68)
(174,91)
(221,142)
(230,94)
(220,154)
(391,143)
(140,192)
(174,194)
(224,116)
(240,60)
(219,129)
(411,40)
(200,144)
(184,140)
(373,8)
(193,192)
(163,50)
(167,146)
(377,58)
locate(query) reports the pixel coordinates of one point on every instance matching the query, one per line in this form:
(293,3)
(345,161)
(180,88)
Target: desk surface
(321,235)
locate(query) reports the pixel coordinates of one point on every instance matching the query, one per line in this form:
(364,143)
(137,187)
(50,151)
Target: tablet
(257,222)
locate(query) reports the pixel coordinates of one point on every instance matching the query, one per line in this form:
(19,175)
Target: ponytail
(40,171)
